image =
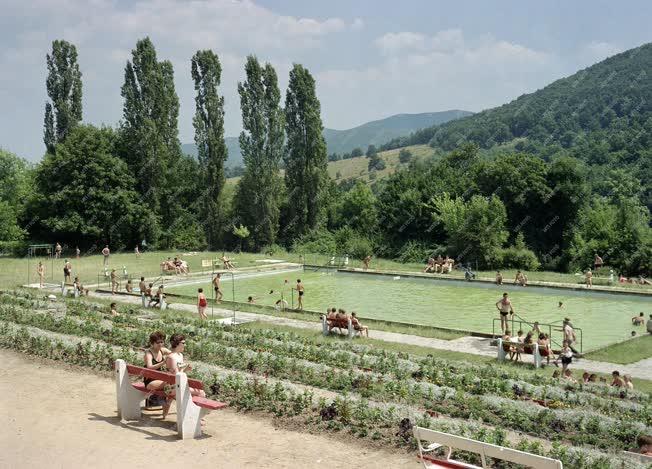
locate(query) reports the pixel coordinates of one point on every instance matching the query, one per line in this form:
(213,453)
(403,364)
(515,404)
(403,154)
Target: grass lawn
(625,353)
(15,271)
(358,168)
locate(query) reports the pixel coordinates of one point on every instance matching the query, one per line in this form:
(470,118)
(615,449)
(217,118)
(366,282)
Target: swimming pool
(604,318)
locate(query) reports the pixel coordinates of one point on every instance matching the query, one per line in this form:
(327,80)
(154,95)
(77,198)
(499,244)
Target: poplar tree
(259,191)
(209,137)
(64,86)
(150,143)
(306,176)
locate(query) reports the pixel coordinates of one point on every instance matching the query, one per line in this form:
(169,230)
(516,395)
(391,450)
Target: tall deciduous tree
(85,193)
(150,143)
(209,137)
(258,193)
(305,158)
(64,87)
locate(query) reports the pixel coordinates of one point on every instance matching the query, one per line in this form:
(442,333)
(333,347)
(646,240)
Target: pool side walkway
(474,345)
(531,283)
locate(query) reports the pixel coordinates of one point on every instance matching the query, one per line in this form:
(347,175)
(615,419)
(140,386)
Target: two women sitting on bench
(160,358)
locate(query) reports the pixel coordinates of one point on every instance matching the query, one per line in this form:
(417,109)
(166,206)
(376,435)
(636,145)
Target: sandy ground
(56,417)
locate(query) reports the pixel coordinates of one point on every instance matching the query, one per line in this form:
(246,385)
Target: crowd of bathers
(176,265)
(439,265)
(339,318)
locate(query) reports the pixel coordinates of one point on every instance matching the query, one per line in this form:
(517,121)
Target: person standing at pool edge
(216,287)
(589,278)
(106,252)
(40,270)
(300,289)
(597,261)
(504,306)
(201,304)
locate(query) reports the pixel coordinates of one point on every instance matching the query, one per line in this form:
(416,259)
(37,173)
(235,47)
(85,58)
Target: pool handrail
(522,321)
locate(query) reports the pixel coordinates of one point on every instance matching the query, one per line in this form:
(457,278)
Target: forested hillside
(601,115)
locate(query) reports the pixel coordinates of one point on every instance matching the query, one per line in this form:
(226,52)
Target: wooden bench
(190,409)
(503,350)
(328,324)
(485,450)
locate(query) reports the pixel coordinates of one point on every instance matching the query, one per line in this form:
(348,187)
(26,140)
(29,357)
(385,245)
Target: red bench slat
(208,403)
(198,400)
(161,375)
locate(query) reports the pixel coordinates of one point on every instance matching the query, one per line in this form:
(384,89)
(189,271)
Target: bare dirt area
(60,417)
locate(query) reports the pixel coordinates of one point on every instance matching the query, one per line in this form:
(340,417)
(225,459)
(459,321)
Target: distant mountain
(232,145)
(383,130)
(371,133)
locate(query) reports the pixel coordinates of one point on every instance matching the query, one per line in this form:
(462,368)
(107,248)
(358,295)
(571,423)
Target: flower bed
(589,416)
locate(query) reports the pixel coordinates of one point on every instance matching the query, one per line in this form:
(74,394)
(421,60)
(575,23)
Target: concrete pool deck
(530,283)
(473,345)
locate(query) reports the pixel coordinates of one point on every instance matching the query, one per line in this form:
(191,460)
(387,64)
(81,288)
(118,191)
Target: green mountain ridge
(605,99)
(371,133)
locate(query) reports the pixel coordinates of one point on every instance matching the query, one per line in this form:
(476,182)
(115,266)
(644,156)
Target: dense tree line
(499,192)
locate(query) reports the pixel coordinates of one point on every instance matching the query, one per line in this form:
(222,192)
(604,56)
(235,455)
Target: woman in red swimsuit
(201,304)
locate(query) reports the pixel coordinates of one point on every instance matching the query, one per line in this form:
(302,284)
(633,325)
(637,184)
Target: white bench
(485,450)
(190,409)
(537,358)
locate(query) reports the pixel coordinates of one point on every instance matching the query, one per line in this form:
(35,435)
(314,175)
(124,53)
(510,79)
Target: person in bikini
(301,291)
(155,360)
(201,304)
(359,328)
(365,262)
(504,306)
(216,287)
(175,363)
(57,251)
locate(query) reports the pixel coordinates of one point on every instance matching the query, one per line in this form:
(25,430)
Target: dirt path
(61,417)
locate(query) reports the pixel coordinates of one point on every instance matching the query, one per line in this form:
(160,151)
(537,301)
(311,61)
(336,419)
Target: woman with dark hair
(155,360)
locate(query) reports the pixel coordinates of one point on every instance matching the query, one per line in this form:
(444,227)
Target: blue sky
(371,59)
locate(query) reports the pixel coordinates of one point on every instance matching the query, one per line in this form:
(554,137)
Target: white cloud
(445,41)
(106,31)
(595,51)
(445,70)
(357,24)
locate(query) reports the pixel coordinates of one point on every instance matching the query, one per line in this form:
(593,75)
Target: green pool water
(604,318)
